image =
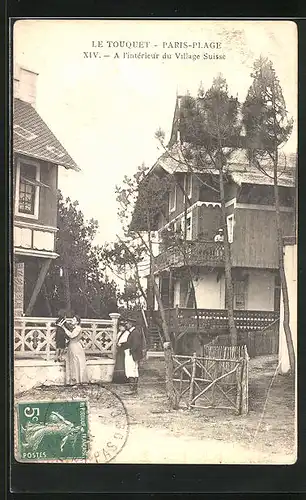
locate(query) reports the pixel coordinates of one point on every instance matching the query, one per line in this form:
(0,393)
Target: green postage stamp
(52,431)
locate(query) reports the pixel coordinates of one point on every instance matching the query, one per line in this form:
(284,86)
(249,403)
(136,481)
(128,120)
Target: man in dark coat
(133,348)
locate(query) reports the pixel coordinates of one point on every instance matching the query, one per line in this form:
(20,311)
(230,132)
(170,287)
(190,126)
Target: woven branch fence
(218,379)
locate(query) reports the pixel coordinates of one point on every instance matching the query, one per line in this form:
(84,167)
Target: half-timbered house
(37,155)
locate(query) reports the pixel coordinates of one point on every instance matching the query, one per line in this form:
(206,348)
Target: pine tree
(268,128)
(76,280)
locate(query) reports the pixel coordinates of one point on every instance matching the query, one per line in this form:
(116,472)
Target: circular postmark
(85,423)
(109,426)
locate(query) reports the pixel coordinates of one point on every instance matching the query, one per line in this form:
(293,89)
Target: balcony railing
(191,253)
(36,336)
(217,319)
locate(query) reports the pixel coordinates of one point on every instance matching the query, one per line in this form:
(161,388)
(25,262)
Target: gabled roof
(285,179)
(32,137)
(249,174)
(238,167)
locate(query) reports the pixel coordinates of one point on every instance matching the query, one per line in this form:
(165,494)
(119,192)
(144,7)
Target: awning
(34,182)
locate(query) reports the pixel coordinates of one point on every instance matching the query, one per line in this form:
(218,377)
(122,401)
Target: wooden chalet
(251,227)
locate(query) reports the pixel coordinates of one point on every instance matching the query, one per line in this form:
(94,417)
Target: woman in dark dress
(119,372)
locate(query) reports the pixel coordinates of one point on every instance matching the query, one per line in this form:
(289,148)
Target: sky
(105,109)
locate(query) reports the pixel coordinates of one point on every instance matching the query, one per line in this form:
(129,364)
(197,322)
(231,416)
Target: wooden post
(176,326)
(115,317)
(45,292)
(193,372)
(245,384)
(22,334)
(41,278)
(169,376)
(18,288)
(94,336)
(170,295)
(48,339)
(239,387)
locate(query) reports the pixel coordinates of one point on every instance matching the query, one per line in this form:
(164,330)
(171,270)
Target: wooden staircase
(153,341)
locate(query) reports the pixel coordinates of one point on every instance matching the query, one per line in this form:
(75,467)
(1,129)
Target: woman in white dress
(76,370)
(131,342)
(119,376)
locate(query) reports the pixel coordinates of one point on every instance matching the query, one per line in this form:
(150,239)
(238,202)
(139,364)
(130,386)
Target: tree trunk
(67,294)
(196,310)
(85,310)
(161,310)
(283,280)
(187,264)
(85,296)
(167,345)
(172,396)
(150,292)
(46,295)
(227,266)
(168,350)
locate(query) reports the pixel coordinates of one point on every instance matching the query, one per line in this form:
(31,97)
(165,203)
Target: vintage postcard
(154,175)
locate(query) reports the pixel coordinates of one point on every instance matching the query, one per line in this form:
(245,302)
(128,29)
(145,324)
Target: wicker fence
(218,379)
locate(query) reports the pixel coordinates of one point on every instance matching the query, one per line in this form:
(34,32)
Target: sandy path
(159,446)
(160,435)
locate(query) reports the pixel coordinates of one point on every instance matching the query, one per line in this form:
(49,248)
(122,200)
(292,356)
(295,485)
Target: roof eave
(55,163)
(70,167)
(267,183)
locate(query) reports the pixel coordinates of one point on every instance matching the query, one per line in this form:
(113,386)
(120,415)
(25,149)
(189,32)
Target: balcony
(34,239)
(191,253)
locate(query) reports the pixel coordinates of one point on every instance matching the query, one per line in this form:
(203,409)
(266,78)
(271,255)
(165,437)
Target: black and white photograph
(154,215)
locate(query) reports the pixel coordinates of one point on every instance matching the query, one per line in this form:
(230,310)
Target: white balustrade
(35,336)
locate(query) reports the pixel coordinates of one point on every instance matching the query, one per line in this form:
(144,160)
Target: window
(172,199)
(178,227)
(188,226)
(190,299)
(240,294)
(230,227)
(188,185)
(27,190)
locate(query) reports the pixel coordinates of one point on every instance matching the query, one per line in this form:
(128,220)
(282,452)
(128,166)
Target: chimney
(25,84)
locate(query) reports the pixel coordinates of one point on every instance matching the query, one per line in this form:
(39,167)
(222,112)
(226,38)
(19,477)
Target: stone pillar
(18,288)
